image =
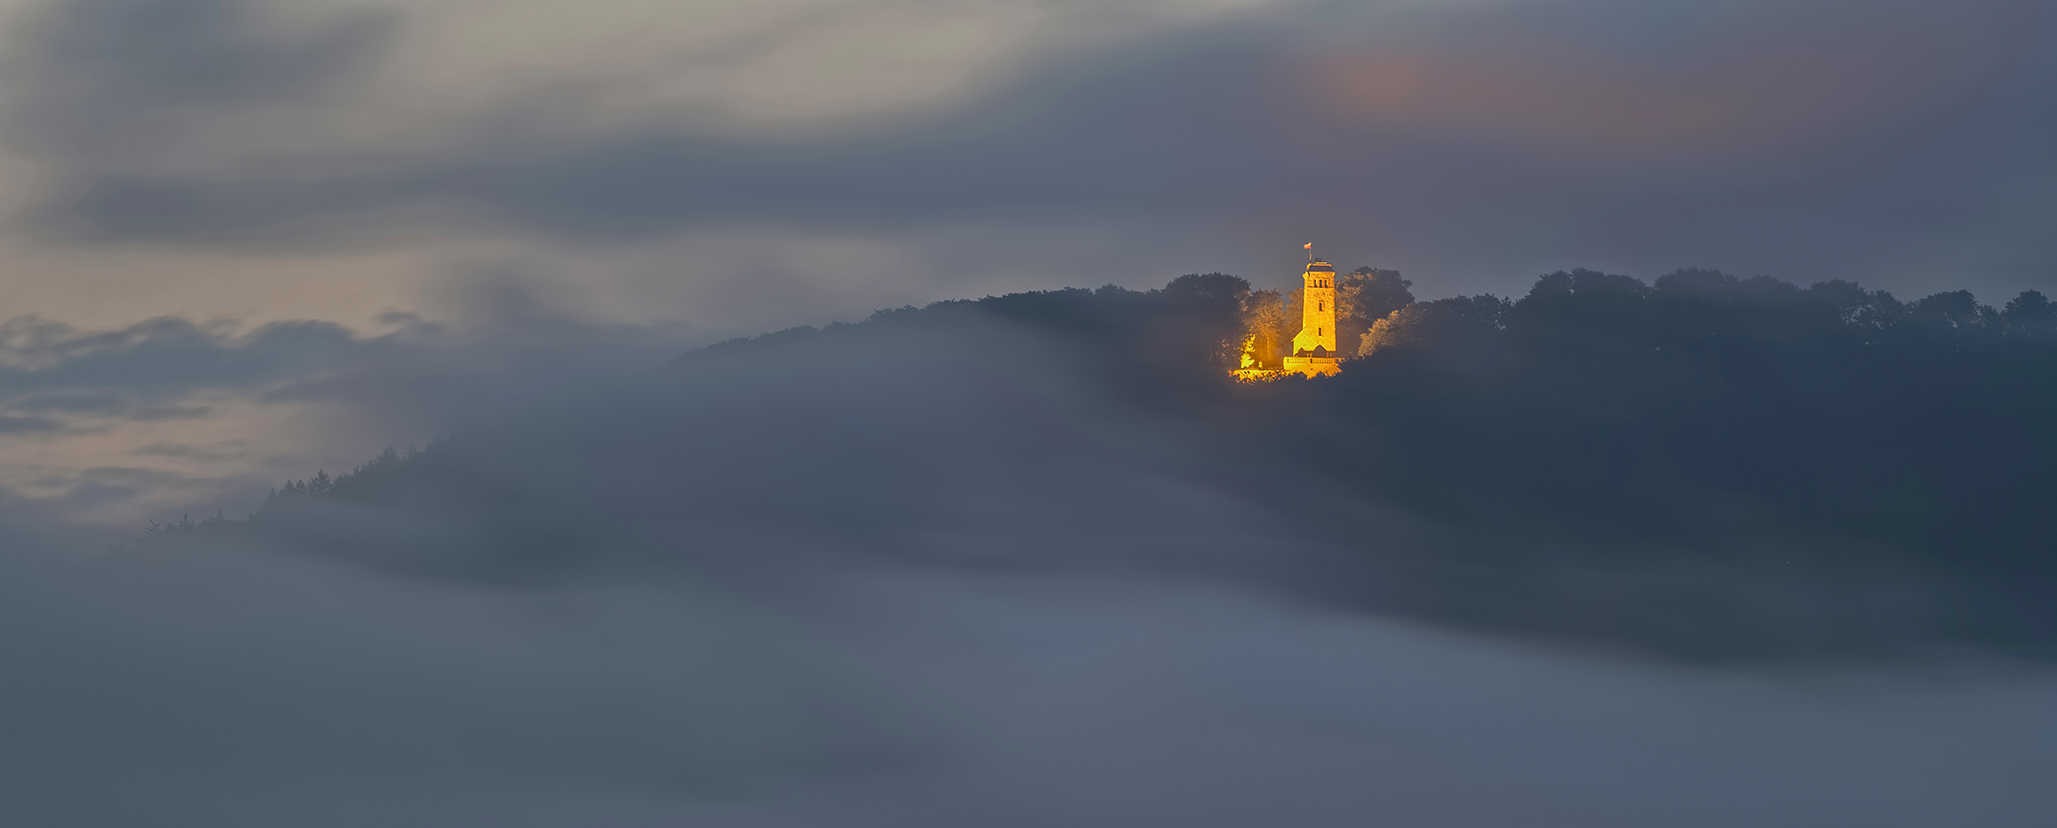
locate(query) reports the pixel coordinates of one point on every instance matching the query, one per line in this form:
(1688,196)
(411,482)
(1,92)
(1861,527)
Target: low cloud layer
(171,415)
(921,579)
(253,692)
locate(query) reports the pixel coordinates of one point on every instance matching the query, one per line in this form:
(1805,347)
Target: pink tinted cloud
(1748,95)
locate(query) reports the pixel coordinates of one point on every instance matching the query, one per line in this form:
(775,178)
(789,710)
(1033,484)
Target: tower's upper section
(1320,274)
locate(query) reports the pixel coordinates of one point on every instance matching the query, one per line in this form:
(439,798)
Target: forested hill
(1826,434)
(1592,405)
(1818,429)
(1585,404)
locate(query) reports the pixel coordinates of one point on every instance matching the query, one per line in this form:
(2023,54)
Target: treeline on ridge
(1929,424)
(1699,412)
(1823,426)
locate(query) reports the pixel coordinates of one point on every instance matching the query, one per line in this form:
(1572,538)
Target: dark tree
(2030,314)
(1466,322)
(1364,296)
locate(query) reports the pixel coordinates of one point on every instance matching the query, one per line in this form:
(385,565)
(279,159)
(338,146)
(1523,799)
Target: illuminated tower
(1314,348)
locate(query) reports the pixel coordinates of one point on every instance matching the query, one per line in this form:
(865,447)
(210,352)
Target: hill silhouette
(1706,466)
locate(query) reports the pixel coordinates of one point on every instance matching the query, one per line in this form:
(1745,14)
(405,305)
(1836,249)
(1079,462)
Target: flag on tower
(1309,245)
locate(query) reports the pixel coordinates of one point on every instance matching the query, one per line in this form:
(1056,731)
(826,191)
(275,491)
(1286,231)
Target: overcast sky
(409,176)
(741,165)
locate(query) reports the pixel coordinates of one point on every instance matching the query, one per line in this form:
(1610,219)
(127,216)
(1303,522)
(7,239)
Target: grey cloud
(29,425)
(105,404)
(148,371)
(110,83)
(166,355)
(64,493)
(122,475)
(225,451)
(169,412)
(110,484)
(173,378)
(93,402)
(64,379)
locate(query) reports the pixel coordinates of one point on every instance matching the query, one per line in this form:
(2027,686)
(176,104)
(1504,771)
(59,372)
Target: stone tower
(1317,335)
(1314,348)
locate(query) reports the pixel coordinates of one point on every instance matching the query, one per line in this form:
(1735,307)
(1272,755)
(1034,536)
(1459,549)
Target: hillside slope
(1707,467)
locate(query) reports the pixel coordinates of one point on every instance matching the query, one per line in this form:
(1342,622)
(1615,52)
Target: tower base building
(1314,366)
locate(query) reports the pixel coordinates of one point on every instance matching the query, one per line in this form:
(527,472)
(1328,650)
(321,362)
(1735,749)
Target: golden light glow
(1314,348)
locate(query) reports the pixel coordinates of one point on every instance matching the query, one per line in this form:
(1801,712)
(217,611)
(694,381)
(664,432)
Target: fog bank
(928,575)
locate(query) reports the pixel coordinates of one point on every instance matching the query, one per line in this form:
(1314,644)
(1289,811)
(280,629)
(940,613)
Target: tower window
(1321,306)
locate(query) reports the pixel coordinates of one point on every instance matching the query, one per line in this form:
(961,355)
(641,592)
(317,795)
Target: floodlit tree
(1267,318)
